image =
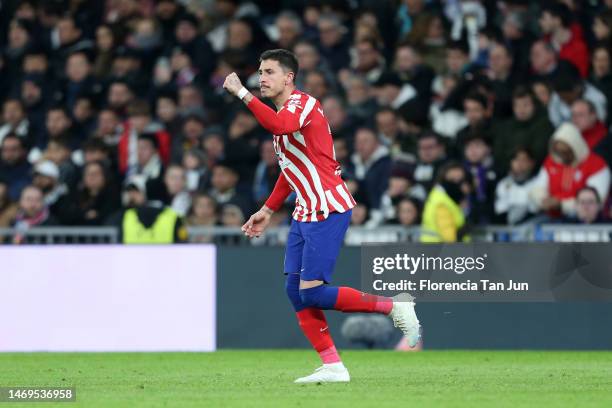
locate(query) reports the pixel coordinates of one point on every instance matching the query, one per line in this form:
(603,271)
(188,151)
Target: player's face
(272,78)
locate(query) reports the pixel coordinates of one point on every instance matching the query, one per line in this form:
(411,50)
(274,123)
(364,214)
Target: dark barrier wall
(254,312)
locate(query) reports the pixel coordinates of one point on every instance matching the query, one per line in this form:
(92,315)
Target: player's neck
(281,98)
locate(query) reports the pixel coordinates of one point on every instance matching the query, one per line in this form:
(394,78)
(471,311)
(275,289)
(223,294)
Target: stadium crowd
(501,105)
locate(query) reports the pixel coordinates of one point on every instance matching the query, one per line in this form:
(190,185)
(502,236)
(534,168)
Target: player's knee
(311,297)
(292,287)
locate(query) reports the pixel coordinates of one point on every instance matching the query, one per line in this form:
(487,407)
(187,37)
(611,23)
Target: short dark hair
(522,91)
(524,150)
(477,97)
(560,11)
(285,58)
(591,189)
(447,167)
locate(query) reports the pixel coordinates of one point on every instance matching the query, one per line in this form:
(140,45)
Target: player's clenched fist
(232,83)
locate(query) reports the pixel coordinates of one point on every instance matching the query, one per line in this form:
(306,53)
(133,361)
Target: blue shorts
(312,247)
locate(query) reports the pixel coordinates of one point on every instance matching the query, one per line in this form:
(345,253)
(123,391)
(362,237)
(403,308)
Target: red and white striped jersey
(306,156)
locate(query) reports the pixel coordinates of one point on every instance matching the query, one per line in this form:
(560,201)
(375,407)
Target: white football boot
(327,373)
(405,318)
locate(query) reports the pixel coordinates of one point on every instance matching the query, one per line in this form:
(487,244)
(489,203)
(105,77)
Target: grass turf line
(248,378)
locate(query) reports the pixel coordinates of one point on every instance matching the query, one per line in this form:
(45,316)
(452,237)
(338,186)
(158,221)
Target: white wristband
(242,92)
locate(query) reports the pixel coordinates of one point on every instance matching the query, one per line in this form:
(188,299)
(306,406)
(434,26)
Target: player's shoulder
(300,101)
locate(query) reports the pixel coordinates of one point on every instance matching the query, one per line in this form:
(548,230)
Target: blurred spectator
(232,216)
(35,97)
(529,128)
(402,145)
(391,92)
(108,128)
(602,27)
(371,165)
(340,123)
(190,101)
(457,60)
(401,185)
(431,155)
(84,114)
(478,112)
(106,41)
(409,65)
(196,174)
(14,166)
(166,112)
(96,150)
(369,61)
(408,212)
(58,151)
(555,23)
(149,165)
(139,123)
(333,43)
(8,209)
(140,223)
(203,211)
(177,196)
(479,164)
(15,120)
(360,214)
(443,213)
(288,27)
(32,212)
(584,117)
(361,104)
(79,79)
(568,87)
(518,36)
(266,173)
(601,77)
(503,79)
(316,84)
(309,59)
(224,182)
(512,203)
(119,96)
(569,167)
(588,207)
(430,36)
(544,61)
(18,41)
(343,158)
(191,136)
(46,176)
(96,198)
(446,117)
(66,39)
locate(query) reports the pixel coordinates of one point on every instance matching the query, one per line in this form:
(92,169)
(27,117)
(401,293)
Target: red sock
(351,300)
(314,325)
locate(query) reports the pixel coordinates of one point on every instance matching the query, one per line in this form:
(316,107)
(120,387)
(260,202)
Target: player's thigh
(294,249)
(323,241)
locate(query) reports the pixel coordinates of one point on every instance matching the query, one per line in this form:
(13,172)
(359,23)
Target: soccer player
(304,146)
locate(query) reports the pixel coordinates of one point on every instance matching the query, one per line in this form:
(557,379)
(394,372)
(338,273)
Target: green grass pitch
(264,378)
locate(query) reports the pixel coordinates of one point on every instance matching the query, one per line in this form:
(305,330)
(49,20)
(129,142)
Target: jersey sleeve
(289,119)
(281,191)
